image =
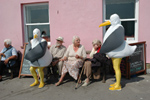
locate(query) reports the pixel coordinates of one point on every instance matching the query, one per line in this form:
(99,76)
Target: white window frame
(27,24)
(136,19)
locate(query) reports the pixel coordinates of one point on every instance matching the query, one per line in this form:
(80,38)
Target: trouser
(88,70)
(2,67)
(57,66)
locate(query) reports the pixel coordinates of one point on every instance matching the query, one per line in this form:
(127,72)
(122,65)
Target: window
(128,12)
(36,16)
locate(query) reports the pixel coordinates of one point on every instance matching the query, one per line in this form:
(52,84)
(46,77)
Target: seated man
(7,55)
(57,51)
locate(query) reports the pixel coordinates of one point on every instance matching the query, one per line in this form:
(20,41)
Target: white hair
(96,41)
(7,41)
(74,38)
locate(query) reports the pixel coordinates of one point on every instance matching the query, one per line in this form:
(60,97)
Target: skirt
(72,67)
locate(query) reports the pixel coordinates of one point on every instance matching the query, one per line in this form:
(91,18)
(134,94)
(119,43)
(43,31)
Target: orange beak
(105,24)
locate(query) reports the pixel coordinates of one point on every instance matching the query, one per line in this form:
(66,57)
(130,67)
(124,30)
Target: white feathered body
(46,59)
(123,50)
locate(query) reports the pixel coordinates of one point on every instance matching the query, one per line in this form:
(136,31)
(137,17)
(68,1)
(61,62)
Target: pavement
(137,88)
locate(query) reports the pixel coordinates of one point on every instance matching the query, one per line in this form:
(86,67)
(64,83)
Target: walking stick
(79,77)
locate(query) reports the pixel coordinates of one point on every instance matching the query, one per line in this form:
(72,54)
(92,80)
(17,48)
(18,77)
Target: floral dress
(72,65)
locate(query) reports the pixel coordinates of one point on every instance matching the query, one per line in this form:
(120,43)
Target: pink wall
(76,17)
(67,18)
(11,21)
(144,23)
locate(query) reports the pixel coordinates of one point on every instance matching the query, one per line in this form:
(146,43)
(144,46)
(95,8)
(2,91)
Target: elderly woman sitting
(73,59)
(87,65)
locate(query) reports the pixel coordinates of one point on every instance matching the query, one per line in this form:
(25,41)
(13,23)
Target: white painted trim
(136,29)
(132,19)
(104,16)
(37,23)
(25,27)
(26,24)
(136,19)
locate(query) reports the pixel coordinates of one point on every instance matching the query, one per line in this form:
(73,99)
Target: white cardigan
(70,53)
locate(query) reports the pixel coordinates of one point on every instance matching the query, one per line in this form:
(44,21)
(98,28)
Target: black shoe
(0,79)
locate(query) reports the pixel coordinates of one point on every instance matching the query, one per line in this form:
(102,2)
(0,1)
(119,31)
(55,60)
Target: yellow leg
(116,66)
(41,74)
(34,74)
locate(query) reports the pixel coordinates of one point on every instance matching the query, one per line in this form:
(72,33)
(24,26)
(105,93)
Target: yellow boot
(41,85)
(115,88)
(116,66)
(34,84)
(34,74)
(112,85)
(41,74)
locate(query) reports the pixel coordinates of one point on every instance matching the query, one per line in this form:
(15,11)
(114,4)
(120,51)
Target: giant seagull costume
(39,56)
(115,47)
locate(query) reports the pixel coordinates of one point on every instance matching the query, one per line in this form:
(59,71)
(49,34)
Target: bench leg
(12,74)
(103,74)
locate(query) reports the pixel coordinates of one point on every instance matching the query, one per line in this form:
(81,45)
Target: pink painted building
(67,18)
